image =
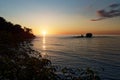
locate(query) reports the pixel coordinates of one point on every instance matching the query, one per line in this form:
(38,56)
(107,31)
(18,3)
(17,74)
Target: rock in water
(89,35)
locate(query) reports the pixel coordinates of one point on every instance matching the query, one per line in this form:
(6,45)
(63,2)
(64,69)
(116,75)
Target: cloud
(97,19)
(114,5)
(113,10)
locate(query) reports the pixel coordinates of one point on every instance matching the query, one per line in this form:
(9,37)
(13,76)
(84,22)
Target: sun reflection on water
(44,54)
(44,47)
(44,41)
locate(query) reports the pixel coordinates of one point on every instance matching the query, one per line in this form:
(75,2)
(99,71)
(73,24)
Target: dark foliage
(14,32)
(18,63)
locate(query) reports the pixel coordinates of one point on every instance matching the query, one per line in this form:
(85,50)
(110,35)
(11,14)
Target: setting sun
(44,32)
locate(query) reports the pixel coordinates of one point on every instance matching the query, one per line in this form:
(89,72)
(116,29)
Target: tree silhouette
(15,29)
(27,30)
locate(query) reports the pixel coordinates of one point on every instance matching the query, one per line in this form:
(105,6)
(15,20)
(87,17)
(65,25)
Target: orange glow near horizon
(76,30)
(72,17)
(65,32)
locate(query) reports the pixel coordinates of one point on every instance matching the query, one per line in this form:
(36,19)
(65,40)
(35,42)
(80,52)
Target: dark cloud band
(113,10)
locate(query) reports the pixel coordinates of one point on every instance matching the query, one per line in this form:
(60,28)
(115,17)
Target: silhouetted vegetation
(19,61)
(15,32)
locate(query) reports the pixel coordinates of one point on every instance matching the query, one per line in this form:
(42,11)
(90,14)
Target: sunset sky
(62,16)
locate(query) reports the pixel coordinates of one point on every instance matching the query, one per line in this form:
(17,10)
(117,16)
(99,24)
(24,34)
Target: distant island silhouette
(88,35)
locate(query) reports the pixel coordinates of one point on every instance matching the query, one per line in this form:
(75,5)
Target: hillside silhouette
(14,32)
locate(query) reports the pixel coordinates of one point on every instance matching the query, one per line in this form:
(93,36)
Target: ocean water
(101,53)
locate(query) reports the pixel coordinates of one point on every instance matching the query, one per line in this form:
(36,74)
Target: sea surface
(102,53)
